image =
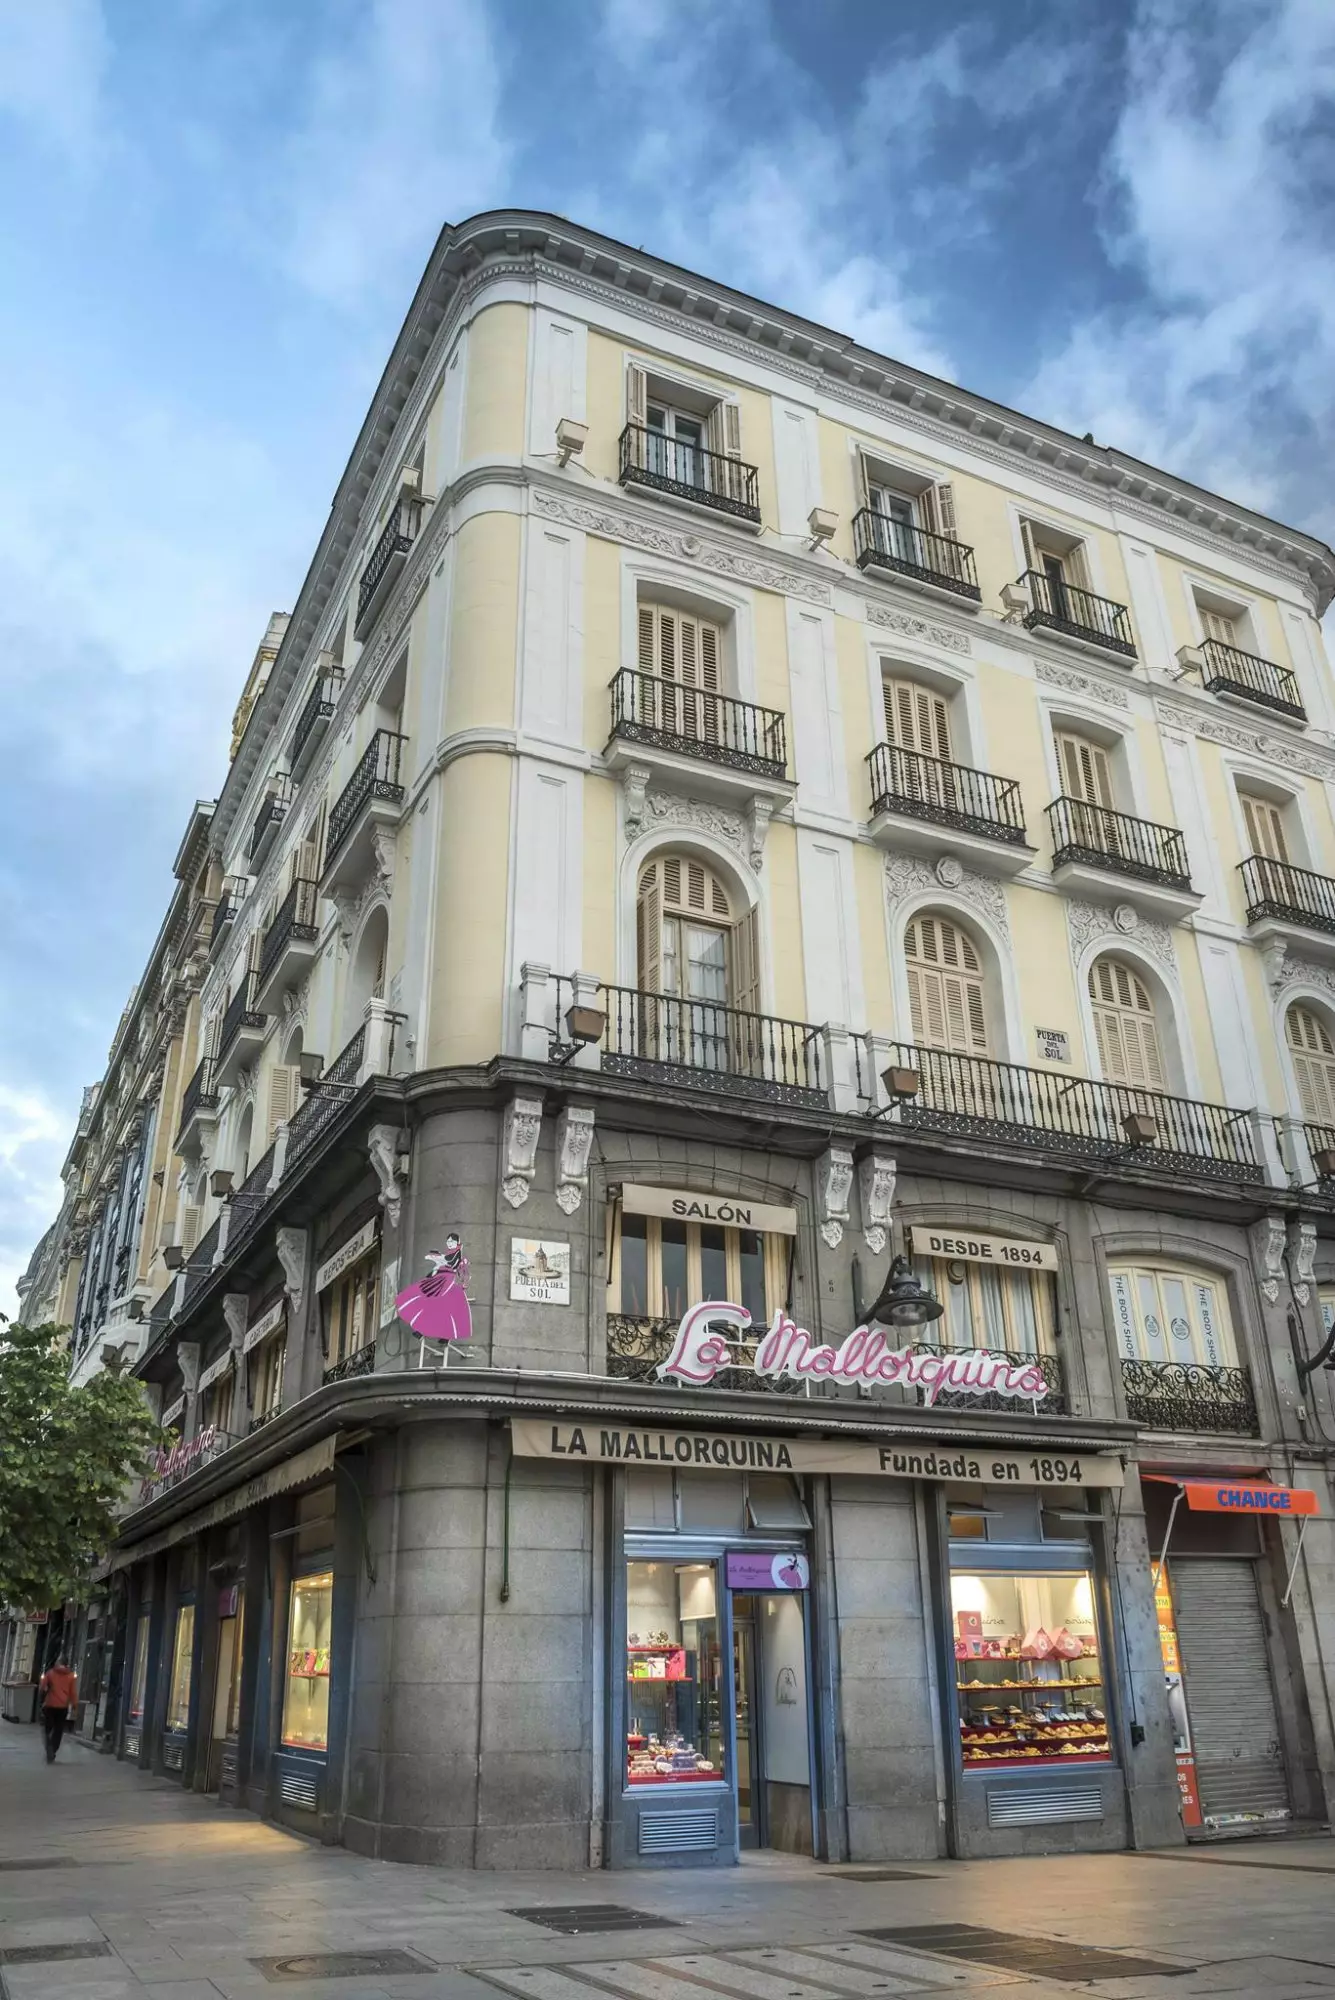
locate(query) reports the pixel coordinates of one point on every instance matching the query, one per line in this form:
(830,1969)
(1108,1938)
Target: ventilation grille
(299,1790)
(132,1745)
(1053,1805)
(173,1756)
(678,1832)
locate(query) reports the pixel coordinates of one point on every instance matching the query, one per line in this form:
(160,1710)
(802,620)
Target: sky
(1116,215)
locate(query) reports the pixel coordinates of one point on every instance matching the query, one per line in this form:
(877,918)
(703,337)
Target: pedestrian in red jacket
(59,1691)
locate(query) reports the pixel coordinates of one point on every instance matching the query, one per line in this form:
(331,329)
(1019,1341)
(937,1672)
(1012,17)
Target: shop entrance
(773,1725)
(1230,1697)
(226,1692)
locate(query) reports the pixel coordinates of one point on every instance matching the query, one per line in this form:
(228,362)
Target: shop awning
(1253,1496)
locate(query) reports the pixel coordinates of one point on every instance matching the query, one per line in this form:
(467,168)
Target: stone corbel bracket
(1268,1241)
(519,1148)
(1302,1259)
(390,1168)
(876,1193)
(291,1245)
(834,1184)
(574,1143)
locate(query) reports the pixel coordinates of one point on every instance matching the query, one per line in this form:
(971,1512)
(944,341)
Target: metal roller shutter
(1230,1699)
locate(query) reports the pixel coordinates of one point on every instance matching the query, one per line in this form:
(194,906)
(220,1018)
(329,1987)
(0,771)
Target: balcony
(274,808)
(1290,905)
(1246,677)
(199,1112)
(317,712)
(387,558)
(241,1036)
(247,1202)
(1095,849)
(923,805)
(1042,1111)
(688,472)
(290,944)
(727,749)
(882,542)
(372,798)
(1077,614)
(199,1264)
(234,892)
(336,1086)
(1178,1396)
(360,1362)
(702,1045)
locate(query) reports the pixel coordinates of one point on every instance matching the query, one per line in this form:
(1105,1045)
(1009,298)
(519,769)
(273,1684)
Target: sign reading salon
(727,1211)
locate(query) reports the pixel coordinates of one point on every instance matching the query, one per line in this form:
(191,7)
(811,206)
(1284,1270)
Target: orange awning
(1247,1496)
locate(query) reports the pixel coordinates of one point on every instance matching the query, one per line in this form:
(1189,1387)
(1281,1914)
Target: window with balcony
(1061,596)
(686,441)
(350,1312)
(1312,1053)
(947,987)
(689,943)
(1264,821)
(677,698)
(906,524)
(1179,1357)
(1124,1025)
(660,1266)
(1232,665)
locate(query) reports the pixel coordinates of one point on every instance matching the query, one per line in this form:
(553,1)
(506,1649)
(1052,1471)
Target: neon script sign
(700,1350)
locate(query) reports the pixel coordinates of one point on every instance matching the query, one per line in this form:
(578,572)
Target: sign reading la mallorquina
(865,1359)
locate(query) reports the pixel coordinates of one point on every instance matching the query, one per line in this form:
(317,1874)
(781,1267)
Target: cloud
(34,1137)
(52,59)
(1222,361)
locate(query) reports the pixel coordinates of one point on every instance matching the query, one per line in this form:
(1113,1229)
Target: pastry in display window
(674,1731)
(306,1695)
(1028,1676)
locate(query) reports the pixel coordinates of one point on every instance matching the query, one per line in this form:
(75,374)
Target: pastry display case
(1029,1673)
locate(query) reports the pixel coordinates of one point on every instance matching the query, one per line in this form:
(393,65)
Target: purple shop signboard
(762,1569)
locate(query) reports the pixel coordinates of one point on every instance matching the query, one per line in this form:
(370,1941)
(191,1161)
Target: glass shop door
(773,1720)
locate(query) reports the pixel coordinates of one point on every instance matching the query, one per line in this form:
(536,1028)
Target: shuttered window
(1265,827)
(1085,771)
(1235,1735)
(687,941)
(1312,1050)
(916,718)
(284,1094)
(685,653)
(1124,1025)
(1060,565)
(1218,625)
(947,1000)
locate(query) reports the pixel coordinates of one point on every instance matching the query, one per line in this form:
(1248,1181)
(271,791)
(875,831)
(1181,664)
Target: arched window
(1124,1024)
(367,981)
(687,940)
(947,994)
(244,1137)
(1312,1048)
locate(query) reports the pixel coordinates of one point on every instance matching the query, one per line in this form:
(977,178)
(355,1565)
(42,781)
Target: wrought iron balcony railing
(318,707)
(336,1086)
(905,781)
(241,1013)
(295,918)
(697,723)
(704,1045)
(1041,1109)
(258,1422)
(386,558)
(198,1095)
(199,1264)
(229,902)
(247,1203)
(635,1347)
(882,542)
(1293,895)
(1053,1404)
(1063,607)
(1181,1396)
(1228,670)
(1117,841)
(669,465)
(377,776)
(1321,1147)
(274,807)
(360,1362)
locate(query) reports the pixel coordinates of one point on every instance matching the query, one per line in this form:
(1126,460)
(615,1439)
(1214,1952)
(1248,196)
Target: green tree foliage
(65,1457)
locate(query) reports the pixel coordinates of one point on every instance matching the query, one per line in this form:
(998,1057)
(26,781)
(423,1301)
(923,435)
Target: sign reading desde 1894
(970,1246)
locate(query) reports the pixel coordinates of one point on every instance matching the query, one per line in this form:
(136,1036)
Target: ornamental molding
(909,626)
(1283,971)
(834,1182)
(1268,1239)
(622,524)
(1302,1252)
(1078,683)
(574,1143)
(519,1148)
(876,1192)
(1271,749)
(291,1245)
(1095,924)
(665,811)
(909,875)
(389,1167)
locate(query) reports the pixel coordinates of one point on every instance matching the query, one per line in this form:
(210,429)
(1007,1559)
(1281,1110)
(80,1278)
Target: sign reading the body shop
(967,1246)
(595,1443)
(732,1212)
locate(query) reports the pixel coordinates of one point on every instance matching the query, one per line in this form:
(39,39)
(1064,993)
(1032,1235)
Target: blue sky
(1114,214)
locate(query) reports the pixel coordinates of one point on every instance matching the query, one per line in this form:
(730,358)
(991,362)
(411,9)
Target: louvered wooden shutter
(1124,1026)
(637,395)
(926,510)
(732,429)
(944,496)
(916,718)
(1076,567)
(1265,828)
(1217,625)
(255,943)
(1031,560)
(946,998)
(1313,1053)
(191,1217)
(745,968)
(649,932)
(283,1090)
(1085,771)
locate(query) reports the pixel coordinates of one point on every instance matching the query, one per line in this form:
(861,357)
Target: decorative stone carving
(1272,749)
(1077,683)
(1285,971)
(574,1143)
(519,1148)
(1274,957)
(236,1312)
(1268,1241)
(345,902)
(616,524)
(913,627)
(1094,923)
(834,1183)
(950,871)
(384,848)
(389,1167)
(187,1360)
(634,785)
(876,1192)
(758,819)
(910,875)
(664,809)
(291,1247)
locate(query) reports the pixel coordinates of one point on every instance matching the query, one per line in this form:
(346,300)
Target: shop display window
(674,1674)
(351,1310)
(309,1634)
(989,1307)
(183,1647)
(139,1668)
(1171,1315)
(266,1375)
(1028,1669)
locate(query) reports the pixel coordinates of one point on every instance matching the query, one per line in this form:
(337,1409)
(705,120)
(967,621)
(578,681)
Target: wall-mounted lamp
(1015,601)
(1140,1128)
(173,1255)
(220,1184)
(584,1025)
(570,438)
(311,1067)
(822,522)
(903,1301)
(1190,660)
(901,1084)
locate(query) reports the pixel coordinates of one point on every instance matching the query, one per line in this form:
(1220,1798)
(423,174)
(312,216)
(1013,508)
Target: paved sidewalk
(114,1886)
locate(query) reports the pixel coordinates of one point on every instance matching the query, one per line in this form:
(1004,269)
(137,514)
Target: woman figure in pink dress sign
(437,1308)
